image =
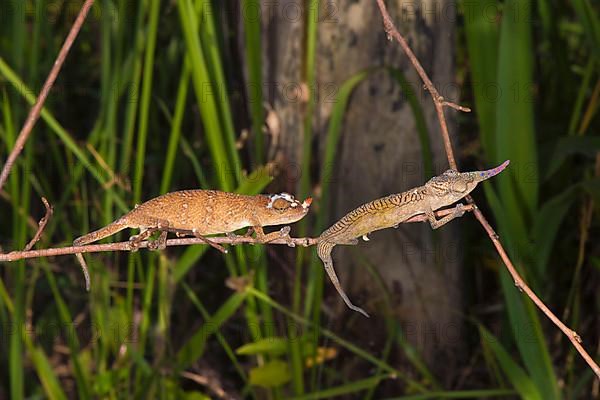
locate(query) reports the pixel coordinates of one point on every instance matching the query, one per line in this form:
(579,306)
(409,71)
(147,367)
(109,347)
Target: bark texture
(379,153)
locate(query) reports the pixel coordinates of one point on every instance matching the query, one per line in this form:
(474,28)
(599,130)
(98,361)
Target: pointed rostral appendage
(483,175)
(390,211)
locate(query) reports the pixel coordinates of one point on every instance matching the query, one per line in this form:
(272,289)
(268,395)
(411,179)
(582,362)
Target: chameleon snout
(306,203)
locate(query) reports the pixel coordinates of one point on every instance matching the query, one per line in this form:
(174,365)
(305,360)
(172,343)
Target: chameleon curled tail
(324,248)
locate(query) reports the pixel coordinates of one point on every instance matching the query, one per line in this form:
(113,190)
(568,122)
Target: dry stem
(439,103)
(126,246)
(35,111)
(41,225)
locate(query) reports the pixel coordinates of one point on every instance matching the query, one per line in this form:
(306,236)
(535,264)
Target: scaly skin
(392,210)
(206,212)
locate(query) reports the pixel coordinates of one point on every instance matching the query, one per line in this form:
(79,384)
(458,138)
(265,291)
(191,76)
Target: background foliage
(149,101)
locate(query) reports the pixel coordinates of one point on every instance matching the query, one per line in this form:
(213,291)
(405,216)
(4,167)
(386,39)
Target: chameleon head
(283,208)
(453,185)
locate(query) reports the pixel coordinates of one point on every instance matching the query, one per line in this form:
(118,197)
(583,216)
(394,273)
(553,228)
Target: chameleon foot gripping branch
(392,210)
(202,213)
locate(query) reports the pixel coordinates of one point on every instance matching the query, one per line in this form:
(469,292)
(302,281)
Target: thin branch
(521,285)
(126,246)
(210,382)
(41,225)
(34,114)
(438,100)
(439,103)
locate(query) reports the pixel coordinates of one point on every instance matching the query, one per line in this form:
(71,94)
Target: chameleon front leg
(160,243)
(283,233)
(436,223)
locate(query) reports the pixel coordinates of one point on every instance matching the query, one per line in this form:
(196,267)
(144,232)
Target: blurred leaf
(253,51)
(62,134)
(175,134)
(589,19)
(516,375)
(196,396)
(211,40)
(420,124)
(546,224)
(194,347)
(515,134)
(569,145)
(529,337)
(146,95)
(272,345)
(352,387)
(459,394)
(592,187)
(595,262)
(518,186)
(45,372)
(272,374)
(205,97)
(187,260)
(256,182)
(481,33)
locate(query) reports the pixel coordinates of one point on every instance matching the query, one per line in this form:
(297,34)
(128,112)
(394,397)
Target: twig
(126,246)
(41,225)
(521,285)
(210,382)
(34,114)
(439,103)
(438,100)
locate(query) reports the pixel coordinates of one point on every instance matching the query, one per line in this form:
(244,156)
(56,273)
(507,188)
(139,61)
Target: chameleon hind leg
(135,240)
(159,243)
(324,251)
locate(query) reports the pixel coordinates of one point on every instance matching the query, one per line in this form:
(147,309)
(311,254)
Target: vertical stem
(250,15)
(145,101)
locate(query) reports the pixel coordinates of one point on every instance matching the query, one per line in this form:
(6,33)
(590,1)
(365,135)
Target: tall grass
(153,113)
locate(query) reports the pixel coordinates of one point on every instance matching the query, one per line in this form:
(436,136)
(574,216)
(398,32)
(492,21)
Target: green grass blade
(516,375)
(481,33)
(530,338)
(63,135)
(353,387)
(459,394)
(411,384)
(205,97)
(218,82)
(194,347)
(175,128)
(518,188)
(252,26)
(145,100)
(132,99)
(50,382)
(591,24)
(420,123)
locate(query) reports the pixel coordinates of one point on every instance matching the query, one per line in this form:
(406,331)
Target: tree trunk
(379,153)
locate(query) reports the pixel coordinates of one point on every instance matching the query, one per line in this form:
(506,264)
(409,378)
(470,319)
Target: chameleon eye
(281,204)
(460,186)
